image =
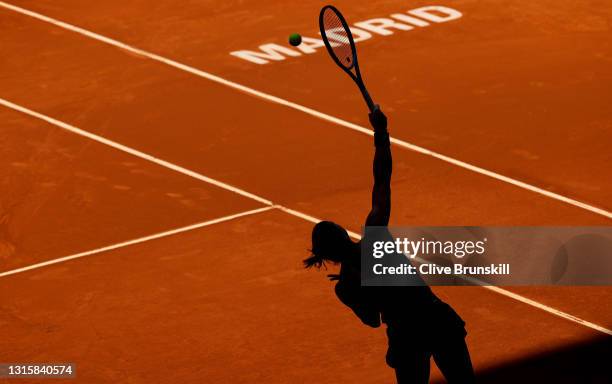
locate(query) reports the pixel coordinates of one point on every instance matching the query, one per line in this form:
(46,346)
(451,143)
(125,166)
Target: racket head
(338,40)
(340,45)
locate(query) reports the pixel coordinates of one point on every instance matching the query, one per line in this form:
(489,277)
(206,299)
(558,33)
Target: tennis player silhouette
(419,325)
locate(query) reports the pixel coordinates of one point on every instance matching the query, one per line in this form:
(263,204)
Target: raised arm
(381,193)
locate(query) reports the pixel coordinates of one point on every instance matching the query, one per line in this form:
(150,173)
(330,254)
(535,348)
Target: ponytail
(314,261)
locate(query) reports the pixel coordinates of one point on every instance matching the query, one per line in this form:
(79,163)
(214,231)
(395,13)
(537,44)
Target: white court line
(135,241)
(548,309)
(228,187)
(309,111)
(132,151)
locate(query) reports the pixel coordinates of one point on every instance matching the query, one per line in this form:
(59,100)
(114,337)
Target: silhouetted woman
(419,325)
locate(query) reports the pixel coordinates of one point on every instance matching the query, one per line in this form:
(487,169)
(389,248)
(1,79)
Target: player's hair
(326,238)
(313,261)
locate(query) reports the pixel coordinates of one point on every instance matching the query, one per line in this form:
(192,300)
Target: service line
(139,240)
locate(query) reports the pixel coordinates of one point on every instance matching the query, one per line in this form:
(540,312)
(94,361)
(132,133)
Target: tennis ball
(295,39)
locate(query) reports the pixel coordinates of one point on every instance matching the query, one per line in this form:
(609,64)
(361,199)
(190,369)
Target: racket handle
(378,120)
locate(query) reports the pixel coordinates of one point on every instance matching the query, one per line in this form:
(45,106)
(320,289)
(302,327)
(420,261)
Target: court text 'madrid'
(363,30)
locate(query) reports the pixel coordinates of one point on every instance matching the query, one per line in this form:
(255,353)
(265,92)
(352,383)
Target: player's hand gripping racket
(339,42)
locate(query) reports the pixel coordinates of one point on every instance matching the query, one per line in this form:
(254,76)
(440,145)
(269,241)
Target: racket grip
(378,120)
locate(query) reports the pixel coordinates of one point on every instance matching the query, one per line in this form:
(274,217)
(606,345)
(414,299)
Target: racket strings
(338,37)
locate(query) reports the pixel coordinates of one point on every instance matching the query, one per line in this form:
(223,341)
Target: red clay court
(158,193)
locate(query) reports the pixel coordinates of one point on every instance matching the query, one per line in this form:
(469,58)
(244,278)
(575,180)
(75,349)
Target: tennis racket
(339,42)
